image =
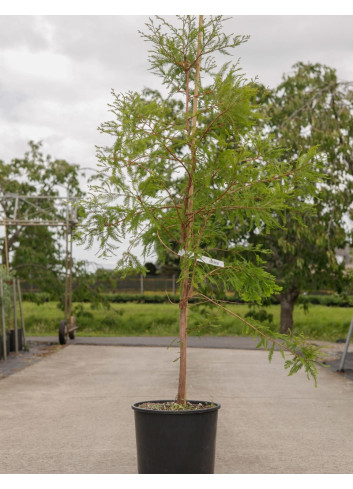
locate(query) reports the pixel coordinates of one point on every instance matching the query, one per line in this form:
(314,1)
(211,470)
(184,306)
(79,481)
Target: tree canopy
(183,177)
(35,175)
(311,107)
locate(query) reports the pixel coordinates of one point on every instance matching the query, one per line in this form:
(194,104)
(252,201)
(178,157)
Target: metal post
(67,262)
(70,279)
(15,314)
(6,246)
(343,359)
(3,328)
(21,312)
(141,284)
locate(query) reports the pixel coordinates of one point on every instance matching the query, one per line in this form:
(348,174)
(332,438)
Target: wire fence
(140,285)
(129,285)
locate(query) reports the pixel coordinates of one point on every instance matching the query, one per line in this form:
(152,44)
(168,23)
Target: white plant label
(205,259)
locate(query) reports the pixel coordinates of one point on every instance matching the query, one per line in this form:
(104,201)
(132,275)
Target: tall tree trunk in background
(287,300)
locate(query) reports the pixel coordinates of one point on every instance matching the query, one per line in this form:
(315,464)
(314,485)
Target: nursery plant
(186,166)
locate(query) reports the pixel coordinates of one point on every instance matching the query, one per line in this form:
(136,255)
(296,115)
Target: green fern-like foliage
(184,168)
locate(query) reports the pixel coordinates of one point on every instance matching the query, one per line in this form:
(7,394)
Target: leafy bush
(331,300)
(36,297)
(260,315)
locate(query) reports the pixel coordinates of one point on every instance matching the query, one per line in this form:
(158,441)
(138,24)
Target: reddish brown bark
(187,229)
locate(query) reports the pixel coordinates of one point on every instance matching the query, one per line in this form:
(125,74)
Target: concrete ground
(70,412)
(34,352)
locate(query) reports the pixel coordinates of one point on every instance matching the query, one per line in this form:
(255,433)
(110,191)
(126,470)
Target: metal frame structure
(40,216)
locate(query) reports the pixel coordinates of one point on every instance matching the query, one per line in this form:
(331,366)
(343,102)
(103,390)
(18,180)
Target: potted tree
(182,169)
(7,337)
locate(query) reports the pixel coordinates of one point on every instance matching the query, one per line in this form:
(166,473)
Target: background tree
(225,173)
(310,107)
(151,269)
(35,174)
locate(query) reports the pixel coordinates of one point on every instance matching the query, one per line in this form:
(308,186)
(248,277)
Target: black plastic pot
(1,348)
(12,340)
(7,344)
(176,442)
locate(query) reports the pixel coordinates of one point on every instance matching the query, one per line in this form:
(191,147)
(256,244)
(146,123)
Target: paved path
(238,342)
(333,350)
(70,412)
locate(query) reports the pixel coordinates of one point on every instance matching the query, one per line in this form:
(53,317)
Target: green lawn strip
(129,319)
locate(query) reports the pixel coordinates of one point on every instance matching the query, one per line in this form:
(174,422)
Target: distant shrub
(260,315)
(36,297)
(326,300)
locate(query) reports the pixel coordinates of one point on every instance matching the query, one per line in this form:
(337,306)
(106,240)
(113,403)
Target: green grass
(129,319)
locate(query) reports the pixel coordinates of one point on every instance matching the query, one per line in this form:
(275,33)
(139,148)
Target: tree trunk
(183,324)
(287,300)
(187,229)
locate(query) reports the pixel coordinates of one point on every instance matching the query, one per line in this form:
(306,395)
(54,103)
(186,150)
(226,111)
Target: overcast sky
(57,72)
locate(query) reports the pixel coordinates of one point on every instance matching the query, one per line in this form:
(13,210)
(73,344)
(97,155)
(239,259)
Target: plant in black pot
(183,169)
(7,336)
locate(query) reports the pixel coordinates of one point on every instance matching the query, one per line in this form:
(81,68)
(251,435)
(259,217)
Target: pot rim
(215,407)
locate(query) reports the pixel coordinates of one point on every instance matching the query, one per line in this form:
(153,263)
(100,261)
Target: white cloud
(39,66)
(57,72)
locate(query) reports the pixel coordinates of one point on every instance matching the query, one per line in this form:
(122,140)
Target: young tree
(225,173)
(312,108)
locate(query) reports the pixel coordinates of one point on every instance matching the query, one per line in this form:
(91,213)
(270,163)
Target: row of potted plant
(11,342)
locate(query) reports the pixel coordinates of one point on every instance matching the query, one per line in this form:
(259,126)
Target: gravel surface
(34,353)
